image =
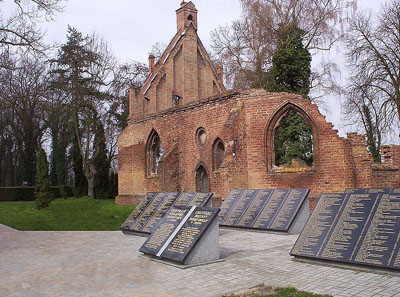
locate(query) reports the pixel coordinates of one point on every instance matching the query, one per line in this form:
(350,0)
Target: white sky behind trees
(132,27)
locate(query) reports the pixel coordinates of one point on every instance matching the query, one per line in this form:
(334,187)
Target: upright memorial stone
(151,209)
(360,229)
(273,210)
(185,235)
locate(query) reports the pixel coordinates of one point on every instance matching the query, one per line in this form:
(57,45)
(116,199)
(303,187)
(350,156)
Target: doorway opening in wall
(293,143)
(202,181)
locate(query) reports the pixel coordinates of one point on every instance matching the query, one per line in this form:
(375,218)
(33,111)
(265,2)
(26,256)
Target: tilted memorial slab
(373,191)
(362,229)
(152,208)
(185,235)
(144,202)
(270,210)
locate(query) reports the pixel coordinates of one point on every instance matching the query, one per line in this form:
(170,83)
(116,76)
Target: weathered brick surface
(244,121)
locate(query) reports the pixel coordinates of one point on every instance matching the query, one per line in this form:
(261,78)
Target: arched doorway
(202,181)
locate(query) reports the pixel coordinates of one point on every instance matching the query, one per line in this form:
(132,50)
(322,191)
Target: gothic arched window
(218,153)
(154,152)
(202,181)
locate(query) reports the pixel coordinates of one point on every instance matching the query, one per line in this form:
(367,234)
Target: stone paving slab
(109,264)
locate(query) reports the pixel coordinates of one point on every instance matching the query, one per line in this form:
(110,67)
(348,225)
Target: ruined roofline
(174,41)
(217,98)
(208,59)
(192,105)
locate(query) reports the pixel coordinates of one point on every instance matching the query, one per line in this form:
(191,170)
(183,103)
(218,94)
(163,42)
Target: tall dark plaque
(360,229)
(152,208)
(179,232)
(273,210)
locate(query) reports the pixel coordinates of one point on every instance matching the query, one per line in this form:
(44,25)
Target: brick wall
(245,123)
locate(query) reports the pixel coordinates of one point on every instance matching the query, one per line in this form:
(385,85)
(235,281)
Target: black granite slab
(272,210)
(373,191)
(161,234)
(179,231)
(360,229)
(193,199)
(152,208)
(144,202)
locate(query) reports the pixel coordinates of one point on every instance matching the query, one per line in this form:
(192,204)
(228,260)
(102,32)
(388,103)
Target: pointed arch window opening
(293,142)
(155,153)
(218,153)
(202,180)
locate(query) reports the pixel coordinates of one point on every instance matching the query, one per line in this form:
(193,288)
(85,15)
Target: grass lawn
(71,214)
(264,291)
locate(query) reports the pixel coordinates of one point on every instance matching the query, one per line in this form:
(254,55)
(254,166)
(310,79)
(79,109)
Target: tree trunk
(90,173)
(90,186)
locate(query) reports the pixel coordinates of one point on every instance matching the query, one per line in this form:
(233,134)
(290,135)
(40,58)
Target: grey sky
(131,27)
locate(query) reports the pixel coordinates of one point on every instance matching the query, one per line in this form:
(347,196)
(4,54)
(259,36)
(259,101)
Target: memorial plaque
(193,199)
(179,232)
(144,202)
(152,208)
(317,228)
(288,209)
(373,191)
(270,209)
(229,203)
(170,222)
(240,208)
(158,214)
(273,210)
(353,228)
(253,211)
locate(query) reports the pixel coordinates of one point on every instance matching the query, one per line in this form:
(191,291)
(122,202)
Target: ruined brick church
(187,133)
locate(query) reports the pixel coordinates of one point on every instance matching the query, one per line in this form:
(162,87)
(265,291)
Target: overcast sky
(131,27)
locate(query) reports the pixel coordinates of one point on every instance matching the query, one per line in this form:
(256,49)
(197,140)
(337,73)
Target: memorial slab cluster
(359,227)
(179,232)
(273,210)
(152,208)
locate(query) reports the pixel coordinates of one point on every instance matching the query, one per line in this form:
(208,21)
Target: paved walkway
(109,264)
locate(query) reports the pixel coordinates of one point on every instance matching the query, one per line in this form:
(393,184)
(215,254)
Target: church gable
(184,73)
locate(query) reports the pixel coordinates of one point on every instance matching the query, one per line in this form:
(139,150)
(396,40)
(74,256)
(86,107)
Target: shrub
(28,193)
(43,194)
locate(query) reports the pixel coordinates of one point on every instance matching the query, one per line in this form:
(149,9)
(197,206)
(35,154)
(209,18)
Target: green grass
(264,291)
(71,214)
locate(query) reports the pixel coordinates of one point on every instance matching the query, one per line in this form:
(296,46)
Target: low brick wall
(128,199)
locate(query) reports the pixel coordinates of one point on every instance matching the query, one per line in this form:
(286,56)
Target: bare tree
(157,50)
(246,47)
(127,75)
(373,54)
(19,31)
(24,89)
